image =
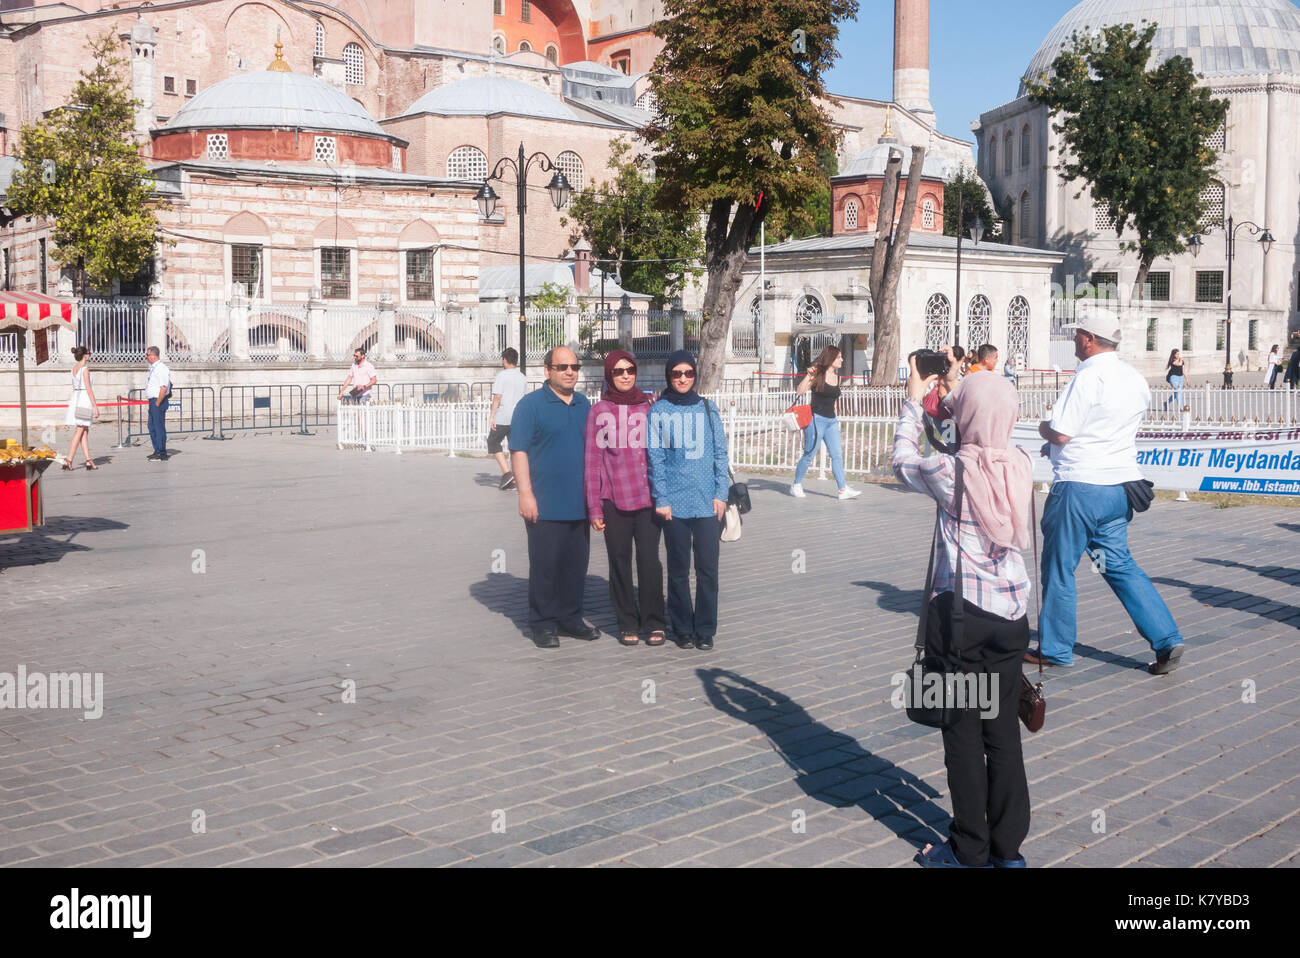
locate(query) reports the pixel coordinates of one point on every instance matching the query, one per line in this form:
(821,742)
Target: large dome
(1221,37)
(484,96)
(272,99)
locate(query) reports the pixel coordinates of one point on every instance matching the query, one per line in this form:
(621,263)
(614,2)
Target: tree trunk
(1144,269)
(887,263)
(727,240)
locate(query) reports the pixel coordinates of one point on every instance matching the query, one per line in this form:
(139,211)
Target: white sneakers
(847,493)
(796,490)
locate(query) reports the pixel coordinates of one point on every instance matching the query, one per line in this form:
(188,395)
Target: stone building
(1249,52)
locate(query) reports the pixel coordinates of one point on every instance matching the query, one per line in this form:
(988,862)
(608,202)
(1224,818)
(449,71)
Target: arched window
(1018,330)
(992,165)
(1009,218)
(1212,200)
(1024,145)
(979,316)
(851,215)
(1008,147)
(218,147)
(498,44)
(927,214)
(354,64)
(1026,231)
(467,163)
(570,164)
(938,322)
(525,46)
(553,53)
(646,101)
(320,39)
(808,309)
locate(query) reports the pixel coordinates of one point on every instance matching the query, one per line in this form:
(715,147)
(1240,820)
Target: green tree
(652,247)
(101,201)
(1137,136)
(550,296)
(813,216)
(965,190)
(739,128)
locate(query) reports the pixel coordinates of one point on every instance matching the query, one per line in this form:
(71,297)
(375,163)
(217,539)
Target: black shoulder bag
(944,715)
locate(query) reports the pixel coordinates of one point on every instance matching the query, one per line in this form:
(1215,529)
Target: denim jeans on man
(158,426)
(1079,516)
(822,429)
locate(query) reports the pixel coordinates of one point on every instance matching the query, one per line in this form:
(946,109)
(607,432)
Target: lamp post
(976,234)
(1230,242)
(487,204)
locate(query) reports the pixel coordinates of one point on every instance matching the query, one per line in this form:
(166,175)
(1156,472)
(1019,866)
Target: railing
(420,333)
(113,329)
(455,427)
(190,410)
(198,332)
(260,407)
(277,333)
(346,328)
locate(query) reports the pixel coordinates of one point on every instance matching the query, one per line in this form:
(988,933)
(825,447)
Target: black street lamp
(487,204)
(976,234)
(1230,241)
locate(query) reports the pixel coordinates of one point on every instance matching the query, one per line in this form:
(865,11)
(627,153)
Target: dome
(274,99)
(483,96)
(872,162)
(1221,37)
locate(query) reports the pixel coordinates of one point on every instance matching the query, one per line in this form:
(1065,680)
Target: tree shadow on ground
(1222,598)
(43,545)
(894,599)
(1280,573)
(829,766)
(507,595)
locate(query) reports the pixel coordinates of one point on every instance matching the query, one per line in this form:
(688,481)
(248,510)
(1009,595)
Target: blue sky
(978,51)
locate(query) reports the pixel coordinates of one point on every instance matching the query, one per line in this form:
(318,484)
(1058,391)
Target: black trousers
(624,531)
(986,769)
(557,571)
(681,538)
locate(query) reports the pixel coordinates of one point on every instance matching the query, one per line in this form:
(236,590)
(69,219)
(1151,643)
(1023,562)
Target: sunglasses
(624,370)
(682,374)
(571,367)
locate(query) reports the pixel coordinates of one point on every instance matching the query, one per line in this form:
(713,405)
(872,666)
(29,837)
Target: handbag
(798,417)
(738,502)
(85,409)
(928,670)
(1033,704)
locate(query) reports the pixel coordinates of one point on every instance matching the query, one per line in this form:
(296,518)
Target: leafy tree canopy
(652,247)
(813,217)
(101,201)
(966,191)
(551,296)
(1137,137)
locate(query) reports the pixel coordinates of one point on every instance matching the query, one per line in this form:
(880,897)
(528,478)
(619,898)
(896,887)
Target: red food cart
(22,506)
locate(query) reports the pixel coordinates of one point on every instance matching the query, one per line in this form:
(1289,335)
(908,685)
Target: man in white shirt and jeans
(1092,438)
(508,388)
(157,390)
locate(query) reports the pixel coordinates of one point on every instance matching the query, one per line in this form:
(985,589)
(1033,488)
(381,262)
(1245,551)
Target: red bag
(800,415)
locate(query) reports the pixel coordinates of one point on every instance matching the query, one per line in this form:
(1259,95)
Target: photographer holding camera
(986,771)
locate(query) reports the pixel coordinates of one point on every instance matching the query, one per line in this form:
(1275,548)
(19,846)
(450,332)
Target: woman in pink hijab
(986,771)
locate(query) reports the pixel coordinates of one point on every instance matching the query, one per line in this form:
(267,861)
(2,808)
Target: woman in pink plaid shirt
(619,502)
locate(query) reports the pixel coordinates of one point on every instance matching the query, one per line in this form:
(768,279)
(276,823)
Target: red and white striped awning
(24,310)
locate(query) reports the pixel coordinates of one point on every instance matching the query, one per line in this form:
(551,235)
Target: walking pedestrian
(547,443)
(1292,370)
(986,771)
(1174,377)
(619,502)
(157,391)
(986,359)
(1092,439)
(507,389)
(361,377)
(690,481)
(1274,364)
(1011,370)
(81,408)
(823,383)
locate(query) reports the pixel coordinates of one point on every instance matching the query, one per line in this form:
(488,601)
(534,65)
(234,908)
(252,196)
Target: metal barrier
(190,409)
(260,407)
(430,392)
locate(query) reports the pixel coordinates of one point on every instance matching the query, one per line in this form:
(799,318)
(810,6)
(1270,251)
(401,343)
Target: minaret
(912,57)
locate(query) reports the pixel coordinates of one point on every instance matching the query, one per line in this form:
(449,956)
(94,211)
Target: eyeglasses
(571,367)
(682,374)
(624,370)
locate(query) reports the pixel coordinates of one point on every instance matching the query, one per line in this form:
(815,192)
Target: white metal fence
(113,329)
(346,328)
(198,332)
(277,333)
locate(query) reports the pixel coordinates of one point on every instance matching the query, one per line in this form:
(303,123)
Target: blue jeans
(1081,516)
(822,429)
(158,426)
(1177,383)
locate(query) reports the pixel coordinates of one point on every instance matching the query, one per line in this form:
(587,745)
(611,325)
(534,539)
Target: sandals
(90,464)
(67,466)
(629,639)
(657,637)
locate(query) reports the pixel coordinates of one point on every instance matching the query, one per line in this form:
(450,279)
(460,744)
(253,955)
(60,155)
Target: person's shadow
(891,795)
(894,599)
(1280,573)
(1222,598)
(1289,526)
(507,595)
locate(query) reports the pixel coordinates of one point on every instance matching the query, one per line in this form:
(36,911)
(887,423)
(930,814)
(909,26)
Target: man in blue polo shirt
(547,446)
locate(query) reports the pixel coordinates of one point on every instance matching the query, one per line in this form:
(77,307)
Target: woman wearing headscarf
(619,503)
(689,479)
(986,771)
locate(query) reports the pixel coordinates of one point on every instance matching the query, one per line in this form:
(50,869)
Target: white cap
(1098,320)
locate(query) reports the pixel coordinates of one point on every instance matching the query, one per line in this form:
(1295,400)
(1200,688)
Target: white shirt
(159,376)
(1100,410)
(510,385)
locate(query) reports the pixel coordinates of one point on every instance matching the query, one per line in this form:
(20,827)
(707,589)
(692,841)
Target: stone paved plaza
(225,689)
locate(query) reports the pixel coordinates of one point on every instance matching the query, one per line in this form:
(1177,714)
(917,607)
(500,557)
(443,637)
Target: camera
(930,363)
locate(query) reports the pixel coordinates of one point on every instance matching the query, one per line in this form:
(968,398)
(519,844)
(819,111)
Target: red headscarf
(634,396)
(999,480)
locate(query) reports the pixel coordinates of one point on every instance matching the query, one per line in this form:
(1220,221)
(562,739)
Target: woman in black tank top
(823,385)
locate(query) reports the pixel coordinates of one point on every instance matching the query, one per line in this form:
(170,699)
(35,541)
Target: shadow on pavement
(894,599)
(1222,598)
(1101,655)
(42,546)
(891,795)
(493,480)
(1280,573)
(507,595)
(1289,526)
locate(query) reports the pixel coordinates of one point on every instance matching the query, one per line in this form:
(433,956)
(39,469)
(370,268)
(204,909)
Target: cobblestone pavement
(225,689)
